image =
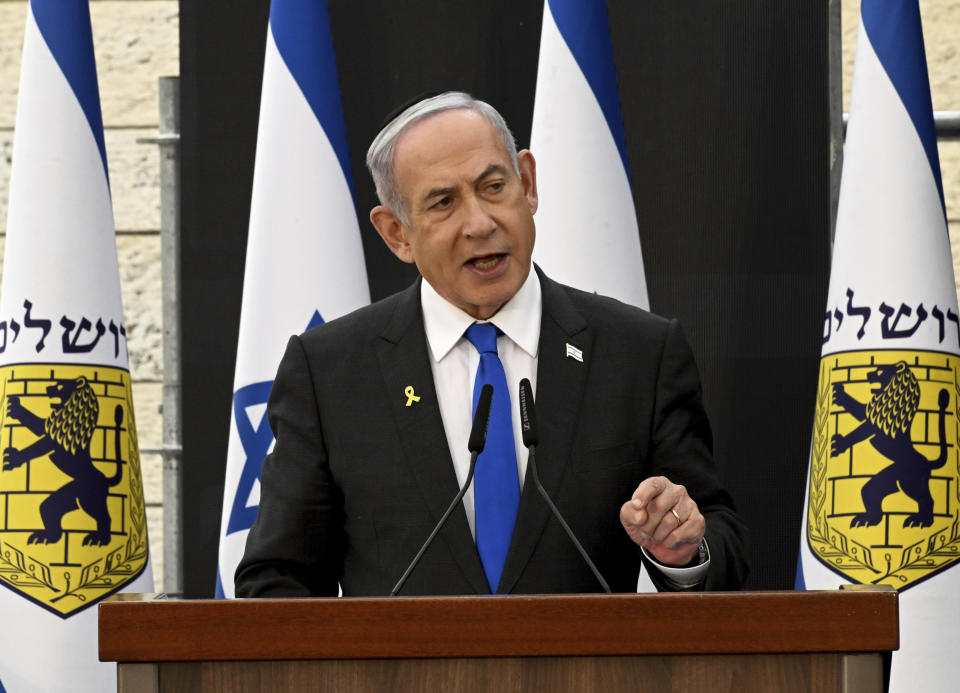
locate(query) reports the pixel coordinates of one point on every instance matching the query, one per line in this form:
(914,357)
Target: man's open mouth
(486,262)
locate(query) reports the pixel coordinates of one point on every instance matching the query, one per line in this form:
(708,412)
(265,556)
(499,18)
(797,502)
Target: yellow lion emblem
(66,436)
(886,421)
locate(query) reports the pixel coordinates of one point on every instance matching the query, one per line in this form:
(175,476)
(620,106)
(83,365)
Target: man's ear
(528,177)
(392,231)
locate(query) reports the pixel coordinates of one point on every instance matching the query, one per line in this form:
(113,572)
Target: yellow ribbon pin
(411,398)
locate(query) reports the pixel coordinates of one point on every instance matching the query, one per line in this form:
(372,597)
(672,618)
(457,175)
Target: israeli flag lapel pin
(574,353)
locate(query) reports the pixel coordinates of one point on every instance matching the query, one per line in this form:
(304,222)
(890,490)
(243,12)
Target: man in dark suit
(371,412)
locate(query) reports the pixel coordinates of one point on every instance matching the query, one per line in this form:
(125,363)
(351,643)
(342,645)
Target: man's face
(471,229)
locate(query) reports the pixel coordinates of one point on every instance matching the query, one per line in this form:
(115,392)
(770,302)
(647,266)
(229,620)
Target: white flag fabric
(881,502)
(587,233)
(305,262)
(73,521)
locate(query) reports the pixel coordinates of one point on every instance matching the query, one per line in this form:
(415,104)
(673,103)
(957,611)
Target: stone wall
(137,42)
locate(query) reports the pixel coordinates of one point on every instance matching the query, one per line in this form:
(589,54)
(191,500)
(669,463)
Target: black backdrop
(725,109)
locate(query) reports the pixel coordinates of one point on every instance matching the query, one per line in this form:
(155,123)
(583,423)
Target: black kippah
(422,96)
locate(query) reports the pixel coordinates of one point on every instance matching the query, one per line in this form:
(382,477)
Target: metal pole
(946,124)
(835,99)
(168,139)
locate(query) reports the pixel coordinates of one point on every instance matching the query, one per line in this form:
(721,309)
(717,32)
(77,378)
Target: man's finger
(649,489)
(690,532)
(632,513)
(659,506)
(633,519)
(676,524)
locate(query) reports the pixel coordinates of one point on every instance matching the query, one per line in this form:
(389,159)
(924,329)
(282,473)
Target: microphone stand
(528,429)
(478,438)
(532,468)
(437,528)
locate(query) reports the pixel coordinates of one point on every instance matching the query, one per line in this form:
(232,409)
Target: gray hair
(380,154)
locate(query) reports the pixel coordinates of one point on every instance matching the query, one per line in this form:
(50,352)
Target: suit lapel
(560,386)
(404,363)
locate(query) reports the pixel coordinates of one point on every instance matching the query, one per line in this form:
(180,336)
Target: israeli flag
(305,262)
(587,233)
(61,325)
(880,504)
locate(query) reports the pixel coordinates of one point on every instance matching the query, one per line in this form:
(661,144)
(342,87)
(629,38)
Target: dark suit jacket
(357,479)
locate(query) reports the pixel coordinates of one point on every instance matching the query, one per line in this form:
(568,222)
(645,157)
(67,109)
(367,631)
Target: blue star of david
(256,442)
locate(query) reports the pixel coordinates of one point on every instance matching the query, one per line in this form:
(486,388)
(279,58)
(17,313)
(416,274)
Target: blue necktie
(496,486)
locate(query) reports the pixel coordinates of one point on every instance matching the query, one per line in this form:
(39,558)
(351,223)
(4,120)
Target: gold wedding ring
(676,515)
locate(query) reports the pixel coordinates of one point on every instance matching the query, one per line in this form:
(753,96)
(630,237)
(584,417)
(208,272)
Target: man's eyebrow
(492,169)
(438,192)
(498,169)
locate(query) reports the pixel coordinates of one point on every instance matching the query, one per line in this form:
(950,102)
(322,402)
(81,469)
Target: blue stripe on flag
(799,583)
(896,34)
(584,27)
(315,320)
(218,592)
(65,26)
(301,30)
(256,442)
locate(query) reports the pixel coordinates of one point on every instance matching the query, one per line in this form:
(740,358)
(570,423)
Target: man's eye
(442,203)
(496,186)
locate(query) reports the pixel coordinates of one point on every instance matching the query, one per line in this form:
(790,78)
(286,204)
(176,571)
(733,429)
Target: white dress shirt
(454,362)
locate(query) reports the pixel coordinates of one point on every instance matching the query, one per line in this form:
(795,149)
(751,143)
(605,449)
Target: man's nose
(477,222)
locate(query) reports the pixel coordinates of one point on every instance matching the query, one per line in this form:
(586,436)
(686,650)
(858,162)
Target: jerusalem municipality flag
(883,500)
(72,518)
(304,258)
(587,233)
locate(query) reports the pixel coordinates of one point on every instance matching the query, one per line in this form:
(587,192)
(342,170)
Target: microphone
(478,438)
(528,418)
(528,429)
(481,419)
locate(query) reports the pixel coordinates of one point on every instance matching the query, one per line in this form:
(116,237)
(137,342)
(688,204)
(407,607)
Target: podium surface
(669,641)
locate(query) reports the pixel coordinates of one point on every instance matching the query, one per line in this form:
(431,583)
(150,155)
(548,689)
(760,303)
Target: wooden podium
(721,641)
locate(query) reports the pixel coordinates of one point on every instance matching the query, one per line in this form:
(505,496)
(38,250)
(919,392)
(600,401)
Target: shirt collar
(519,318)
